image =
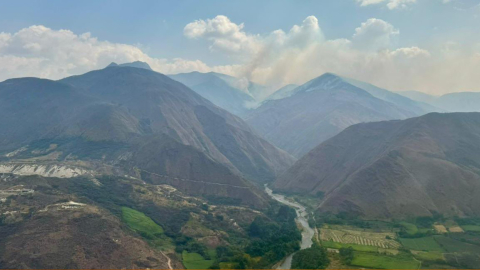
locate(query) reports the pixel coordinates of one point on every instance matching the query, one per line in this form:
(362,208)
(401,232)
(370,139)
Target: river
(307,232)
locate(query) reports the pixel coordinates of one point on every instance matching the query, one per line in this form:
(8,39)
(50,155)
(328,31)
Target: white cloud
(229,38)
(225,35)
(42,52)
(393,4)
(369,2)
(302,35)
(411,52)
(374,34)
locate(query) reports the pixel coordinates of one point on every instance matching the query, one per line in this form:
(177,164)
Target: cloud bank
(371,54)
(277,58)
(391,4)
(42,52)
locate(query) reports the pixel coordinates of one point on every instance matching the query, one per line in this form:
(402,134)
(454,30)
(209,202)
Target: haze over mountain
(452,102)
(237,96)
(136,118)
(418,96)
(324,106)
(395,169)
(399,100)
(227,92)
(459,102)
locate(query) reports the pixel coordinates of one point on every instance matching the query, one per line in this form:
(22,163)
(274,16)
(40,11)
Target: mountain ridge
(318,110)
(180,111)
(395,169)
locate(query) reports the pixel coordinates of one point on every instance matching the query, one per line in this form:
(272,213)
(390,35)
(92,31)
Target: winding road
(169,261)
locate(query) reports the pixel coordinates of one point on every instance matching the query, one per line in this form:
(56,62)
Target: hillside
(129,119)
(395,169)
(127,168)
(318,110)
(164,106)
(114,222)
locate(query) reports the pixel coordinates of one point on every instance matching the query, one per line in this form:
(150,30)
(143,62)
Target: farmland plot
(360,238)
(439,228)
(372,260)
(422,244)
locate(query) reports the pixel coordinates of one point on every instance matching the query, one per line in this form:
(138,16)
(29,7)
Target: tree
(311,258)
(347,255)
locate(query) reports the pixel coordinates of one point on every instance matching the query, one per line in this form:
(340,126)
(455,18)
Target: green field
(336,245)
(147,228)
(374,260)
(424,230)
(452,245)
(434,256)
(410,228)
(471,228)
(139,222)
(423,244)
(196,261)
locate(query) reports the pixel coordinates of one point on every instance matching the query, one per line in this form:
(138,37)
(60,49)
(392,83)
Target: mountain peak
(137,64)
(305,116)
(327,77)
(326,81)
(330,74)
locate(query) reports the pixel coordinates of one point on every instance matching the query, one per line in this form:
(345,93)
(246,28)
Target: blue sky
(157,28)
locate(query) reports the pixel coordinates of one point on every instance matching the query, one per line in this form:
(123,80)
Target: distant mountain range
(141,122)
(453,102)
(418,96)
(238,96)
(305,116)
(396,169)
(400,101)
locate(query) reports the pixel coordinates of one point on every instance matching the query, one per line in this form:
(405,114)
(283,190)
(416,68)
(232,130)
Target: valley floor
(418,243)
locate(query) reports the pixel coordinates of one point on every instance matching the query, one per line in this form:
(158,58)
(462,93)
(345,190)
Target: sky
(431,46)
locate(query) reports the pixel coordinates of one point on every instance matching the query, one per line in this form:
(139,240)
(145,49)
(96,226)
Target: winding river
(307,232)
